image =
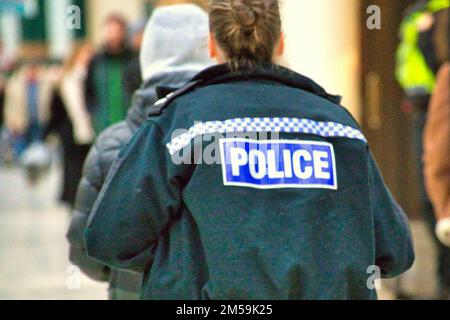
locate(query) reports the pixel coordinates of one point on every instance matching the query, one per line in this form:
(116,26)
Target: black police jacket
(250,184)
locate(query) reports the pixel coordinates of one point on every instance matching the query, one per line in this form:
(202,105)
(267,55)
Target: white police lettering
(278,164)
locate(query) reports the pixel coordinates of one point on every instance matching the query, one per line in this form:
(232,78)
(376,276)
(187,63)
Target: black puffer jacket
(97,165)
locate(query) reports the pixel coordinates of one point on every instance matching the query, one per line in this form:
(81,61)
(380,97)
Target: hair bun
(245,12)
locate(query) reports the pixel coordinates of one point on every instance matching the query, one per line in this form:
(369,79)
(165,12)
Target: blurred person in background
(71,121)
(27,104)
(437,134)
(437,154)
(174,50)
(421,53)
(106,90)
(27,111)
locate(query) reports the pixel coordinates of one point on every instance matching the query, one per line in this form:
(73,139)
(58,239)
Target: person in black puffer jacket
(173,51)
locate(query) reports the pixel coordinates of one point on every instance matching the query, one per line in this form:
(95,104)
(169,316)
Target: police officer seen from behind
(293,207)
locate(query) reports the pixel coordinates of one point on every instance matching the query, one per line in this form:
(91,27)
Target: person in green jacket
(250,182)
(109,85)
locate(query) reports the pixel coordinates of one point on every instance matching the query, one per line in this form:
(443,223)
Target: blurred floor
(420,282)
(33,248)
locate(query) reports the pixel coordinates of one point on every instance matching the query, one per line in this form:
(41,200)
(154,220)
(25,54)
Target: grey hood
(175,39)
(174,50)
(146,96)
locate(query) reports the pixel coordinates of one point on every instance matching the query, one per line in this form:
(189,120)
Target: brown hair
(247,30)
(200,3)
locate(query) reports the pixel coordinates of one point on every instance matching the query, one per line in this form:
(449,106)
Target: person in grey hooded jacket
(174,50)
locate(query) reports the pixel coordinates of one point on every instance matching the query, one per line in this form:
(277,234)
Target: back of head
(248,31)
(175,40)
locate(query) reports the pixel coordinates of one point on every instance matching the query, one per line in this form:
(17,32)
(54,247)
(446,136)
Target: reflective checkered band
(245,125)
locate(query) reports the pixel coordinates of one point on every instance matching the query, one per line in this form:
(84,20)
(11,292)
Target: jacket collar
(144,98)
(265,72)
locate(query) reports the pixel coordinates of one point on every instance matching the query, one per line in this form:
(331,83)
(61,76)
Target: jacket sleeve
(394,249)
(88,191)
(136,204)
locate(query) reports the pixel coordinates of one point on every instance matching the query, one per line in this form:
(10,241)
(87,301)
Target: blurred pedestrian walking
(28,99)
(437,153)
(107,95)
(71,121)
(27,104)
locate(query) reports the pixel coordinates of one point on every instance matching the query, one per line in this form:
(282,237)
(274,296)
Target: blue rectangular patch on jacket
(276,164)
